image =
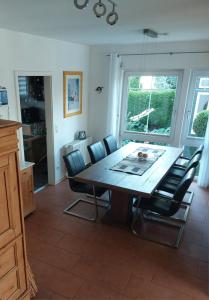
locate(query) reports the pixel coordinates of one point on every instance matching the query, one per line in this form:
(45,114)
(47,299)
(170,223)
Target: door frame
(49,119)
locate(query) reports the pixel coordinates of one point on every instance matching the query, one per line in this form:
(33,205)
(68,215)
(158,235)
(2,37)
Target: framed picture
(73,82)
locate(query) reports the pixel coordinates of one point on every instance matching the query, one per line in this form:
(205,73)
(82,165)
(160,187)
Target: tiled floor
(76,259)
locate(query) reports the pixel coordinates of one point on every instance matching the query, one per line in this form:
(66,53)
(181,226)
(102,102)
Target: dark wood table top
(101,175)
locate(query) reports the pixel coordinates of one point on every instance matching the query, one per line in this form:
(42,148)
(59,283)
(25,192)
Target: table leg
(121,208)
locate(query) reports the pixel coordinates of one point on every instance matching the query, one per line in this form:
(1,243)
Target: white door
(197,112)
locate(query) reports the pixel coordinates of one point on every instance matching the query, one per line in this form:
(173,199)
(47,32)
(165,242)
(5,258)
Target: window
(149,106)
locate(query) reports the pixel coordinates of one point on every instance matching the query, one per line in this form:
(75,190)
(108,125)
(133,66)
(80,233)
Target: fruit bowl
(142,155)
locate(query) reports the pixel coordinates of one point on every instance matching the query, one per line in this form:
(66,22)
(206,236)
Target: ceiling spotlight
(81,6)
(112,17)
(100,10)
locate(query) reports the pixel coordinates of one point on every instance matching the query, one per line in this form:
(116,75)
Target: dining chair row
(168,199)
(97,150)
(178,171)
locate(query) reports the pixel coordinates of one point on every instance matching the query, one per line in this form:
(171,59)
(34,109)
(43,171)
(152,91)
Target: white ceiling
(182,19)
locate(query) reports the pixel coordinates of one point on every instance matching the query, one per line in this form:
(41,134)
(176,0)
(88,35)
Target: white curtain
(114,96)
(203,178)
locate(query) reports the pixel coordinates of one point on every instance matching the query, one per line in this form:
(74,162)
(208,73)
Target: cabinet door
(12,271)
(27,191)
(10,216)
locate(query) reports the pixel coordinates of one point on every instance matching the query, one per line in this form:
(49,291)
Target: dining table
(126,185)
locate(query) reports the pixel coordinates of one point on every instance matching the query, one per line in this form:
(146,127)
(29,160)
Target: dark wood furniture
(124,185)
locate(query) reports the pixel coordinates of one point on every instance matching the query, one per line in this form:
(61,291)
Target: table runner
(132,164)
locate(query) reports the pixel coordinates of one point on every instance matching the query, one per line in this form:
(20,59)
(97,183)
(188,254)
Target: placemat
(132,164)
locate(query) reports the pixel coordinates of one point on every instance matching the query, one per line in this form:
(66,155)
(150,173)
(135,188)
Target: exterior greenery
(200,123)
(161,101)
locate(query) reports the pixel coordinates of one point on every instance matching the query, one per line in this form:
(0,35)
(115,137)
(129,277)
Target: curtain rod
(162,53)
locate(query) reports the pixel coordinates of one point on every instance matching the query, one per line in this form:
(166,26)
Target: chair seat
(160,206)
(182,162)
(176,172)
(169,184)
(80,187)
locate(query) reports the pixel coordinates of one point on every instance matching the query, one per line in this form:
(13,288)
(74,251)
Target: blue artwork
(73,94)
(3,96)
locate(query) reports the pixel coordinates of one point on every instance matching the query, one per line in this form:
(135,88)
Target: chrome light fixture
(100,10)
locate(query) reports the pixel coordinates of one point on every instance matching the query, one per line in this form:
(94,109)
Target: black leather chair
(184,161)
(161,208)
(96,152)
(74,163)
(180,171)
(172,179)
(110,144)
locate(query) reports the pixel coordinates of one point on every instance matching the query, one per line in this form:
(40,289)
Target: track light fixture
(100,10)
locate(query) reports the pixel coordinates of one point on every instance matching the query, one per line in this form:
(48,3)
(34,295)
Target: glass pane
(200,112)
(204,82)
(150,104)
(188,152)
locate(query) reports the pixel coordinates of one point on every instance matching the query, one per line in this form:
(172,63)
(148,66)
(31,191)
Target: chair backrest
(110,144)
(199,150)
(194,162)
(74,163)
(96,151)
(182,189)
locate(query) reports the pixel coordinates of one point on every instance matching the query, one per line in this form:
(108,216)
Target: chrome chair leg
(101,200)
(148,214)
(160,219)
(78,215)
(189,201)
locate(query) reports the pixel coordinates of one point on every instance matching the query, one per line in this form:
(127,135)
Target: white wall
(99,64)
(24,52)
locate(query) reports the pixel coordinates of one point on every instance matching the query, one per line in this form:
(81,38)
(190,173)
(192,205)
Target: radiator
(79,145)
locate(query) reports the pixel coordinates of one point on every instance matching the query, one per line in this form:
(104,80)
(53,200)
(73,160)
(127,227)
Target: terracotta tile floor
(76,259)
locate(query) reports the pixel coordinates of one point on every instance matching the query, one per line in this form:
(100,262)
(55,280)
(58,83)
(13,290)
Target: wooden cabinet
(26,175)
(13,276)
(10,221)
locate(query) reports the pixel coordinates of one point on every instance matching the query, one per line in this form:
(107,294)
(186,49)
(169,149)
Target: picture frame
(73,85)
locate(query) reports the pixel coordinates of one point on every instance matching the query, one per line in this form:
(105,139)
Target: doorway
(32,95)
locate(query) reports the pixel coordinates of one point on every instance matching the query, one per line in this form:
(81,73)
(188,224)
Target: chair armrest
(163,193)
(184,157)
(179,167)
(161,196)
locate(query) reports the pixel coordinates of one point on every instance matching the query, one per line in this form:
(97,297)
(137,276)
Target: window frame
(156,138)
